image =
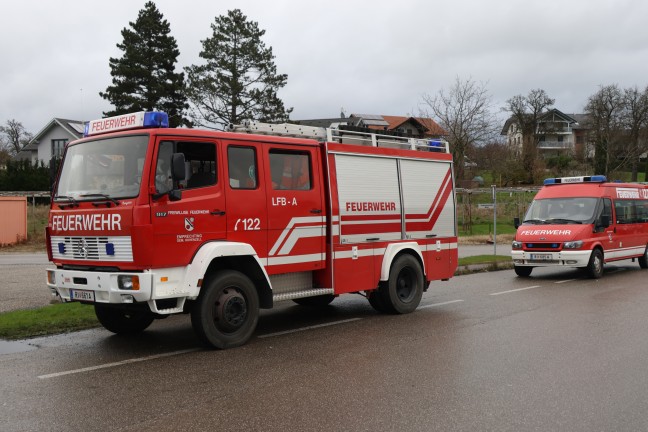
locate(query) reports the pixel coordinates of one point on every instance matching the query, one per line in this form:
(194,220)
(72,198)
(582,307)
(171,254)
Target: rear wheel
(227,310)
(315,301)
(123,321)
(643,260)
(523,271)
(595,265)
(403,291)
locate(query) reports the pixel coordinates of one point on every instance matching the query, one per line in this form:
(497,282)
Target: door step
(311,292)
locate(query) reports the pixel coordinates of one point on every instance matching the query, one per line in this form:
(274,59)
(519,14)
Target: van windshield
(110,168)
(561,211)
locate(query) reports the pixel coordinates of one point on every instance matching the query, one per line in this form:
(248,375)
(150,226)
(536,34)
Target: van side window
(290,170)
(242,165)
(626,211)
(607,209)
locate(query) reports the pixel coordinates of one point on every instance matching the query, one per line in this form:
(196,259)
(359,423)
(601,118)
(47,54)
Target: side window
(607,209)
(290,170)
(200,165)
(625,212)
(242,167)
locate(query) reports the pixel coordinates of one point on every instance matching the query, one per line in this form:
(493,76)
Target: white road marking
(439,304)
(119,363)
(563,281)
(307,328)
(515,290)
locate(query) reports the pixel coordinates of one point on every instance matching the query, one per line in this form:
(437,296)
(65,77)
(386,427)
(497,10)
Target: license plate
(82,295)
(541,257)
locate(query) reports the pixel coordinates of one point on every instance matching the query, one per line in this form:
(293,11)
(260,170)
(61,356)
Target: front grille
(84,248)
(543,246)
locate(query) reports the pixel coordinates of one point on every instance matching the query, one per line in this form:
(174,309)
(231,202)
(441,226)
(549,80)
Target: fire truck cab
(583,222)
(148,221)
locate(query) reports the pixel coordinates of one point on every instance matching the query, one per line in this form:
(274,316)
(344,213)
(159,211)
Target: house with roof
(51,140)
(557,133)
(415,127)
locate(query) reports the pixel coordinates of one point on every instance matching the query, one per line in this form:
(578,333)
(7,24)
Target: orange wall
(13,219)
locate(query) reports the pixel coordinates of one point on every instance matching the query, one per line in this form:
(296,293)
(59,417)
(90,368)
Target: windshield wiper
(556,220)
(73,202)
(534,221)
(104,196)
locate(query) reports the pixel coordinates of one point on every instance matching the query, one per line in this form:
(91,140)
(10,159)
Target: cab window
(200,165)
(242,167)
(290,170)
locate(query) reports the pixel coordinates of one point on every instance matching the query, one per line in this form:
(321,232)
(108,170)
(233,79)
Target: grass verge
(53,319)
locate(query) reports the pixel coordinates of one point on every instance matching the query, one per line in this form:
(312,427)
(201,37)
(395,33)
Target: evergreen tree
(239,80)
(144,78)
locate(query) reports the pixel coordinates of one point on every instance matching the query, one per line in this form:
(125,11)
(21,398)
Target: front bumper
(104,285)
(564,258)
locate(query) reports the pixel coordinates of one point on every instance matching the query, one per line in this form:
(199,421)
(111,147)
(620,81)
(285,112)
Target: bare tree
(464,110)
(604,110)
(635,121)
(13,137)
(525,112)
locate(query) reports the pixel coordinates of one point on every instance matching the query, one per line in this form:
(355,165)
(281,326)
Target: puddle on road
(10,347)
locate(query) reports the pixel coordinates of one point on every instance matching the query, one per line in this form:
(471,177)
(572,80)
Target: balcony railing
(555,145)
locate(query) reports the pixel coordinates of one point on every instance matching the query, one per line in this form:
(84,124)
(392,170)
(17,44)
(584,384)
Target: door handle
(217,213)
(316,211)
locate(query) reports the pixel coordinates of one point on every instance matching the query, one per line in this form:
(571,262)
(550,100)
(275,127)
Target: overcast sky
(370,57)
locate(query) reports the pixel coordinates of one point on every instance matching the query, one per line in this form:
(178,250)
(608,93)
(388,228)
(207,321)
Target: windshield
(561,210)
(106,168)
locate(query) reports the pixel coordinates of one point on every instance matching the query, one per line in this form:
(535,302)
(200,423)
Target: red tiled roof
(433,129)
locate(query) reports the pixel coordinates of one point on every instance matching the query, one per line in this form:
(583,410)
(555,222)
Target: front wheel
(123,321)
(227,310)
(595,265)
(523,271)
(402,293)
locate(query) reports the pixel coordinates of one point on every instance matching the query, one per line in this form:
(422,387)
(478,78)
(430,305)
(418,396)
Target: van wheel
(595,265)
(123,321)
(227,310)
(523,271)
(403,291)
(315,301)
(643,260)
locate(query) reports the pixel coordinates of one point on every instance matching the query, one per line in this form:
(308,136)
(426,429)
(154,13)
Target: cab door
(247,215)
(181,227)
(296,210)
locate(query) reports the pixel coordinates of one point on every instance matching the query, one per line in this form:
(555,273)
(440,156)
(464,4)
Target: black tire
(316,301)
(402,293)
(123,321)
(643,260)
(523,271)
(595,265)
(227,310)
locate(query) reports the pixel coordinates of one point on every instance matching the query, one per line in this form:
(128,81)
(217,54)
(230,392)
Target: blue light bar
(582,179)
(142,119)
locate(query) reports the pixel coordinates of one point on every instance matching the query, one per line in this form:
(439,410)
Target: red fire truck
(583,222)
(148,221)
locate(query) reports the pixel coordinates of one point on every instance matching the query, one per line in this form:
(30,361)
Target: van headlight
(516,245)
(573,244)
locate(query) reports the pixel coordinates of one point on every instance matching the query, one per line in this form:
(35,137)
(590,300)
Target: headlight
(573,244)
(516,245)
(125,282)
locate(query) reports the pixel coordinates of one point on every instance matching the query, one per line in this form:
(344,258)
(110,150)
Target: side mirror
(516,222)
(178,166)
(604,221)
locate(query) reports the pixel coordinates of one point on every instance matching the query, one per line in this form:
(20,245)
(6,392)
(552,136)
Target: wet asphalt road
(484,352)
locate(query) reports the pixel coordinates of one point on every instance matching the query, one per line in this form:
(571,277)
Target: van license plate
(541,257)
(82,295)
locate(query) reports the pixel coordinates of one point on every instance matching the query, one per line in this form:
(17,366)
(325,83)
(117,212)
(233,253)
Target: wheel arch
(216,256)
(395,250)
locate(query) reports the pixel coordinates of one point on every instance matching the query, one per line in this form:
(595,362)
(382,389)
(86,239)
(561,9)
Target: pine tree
(144,78)
(239,80)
